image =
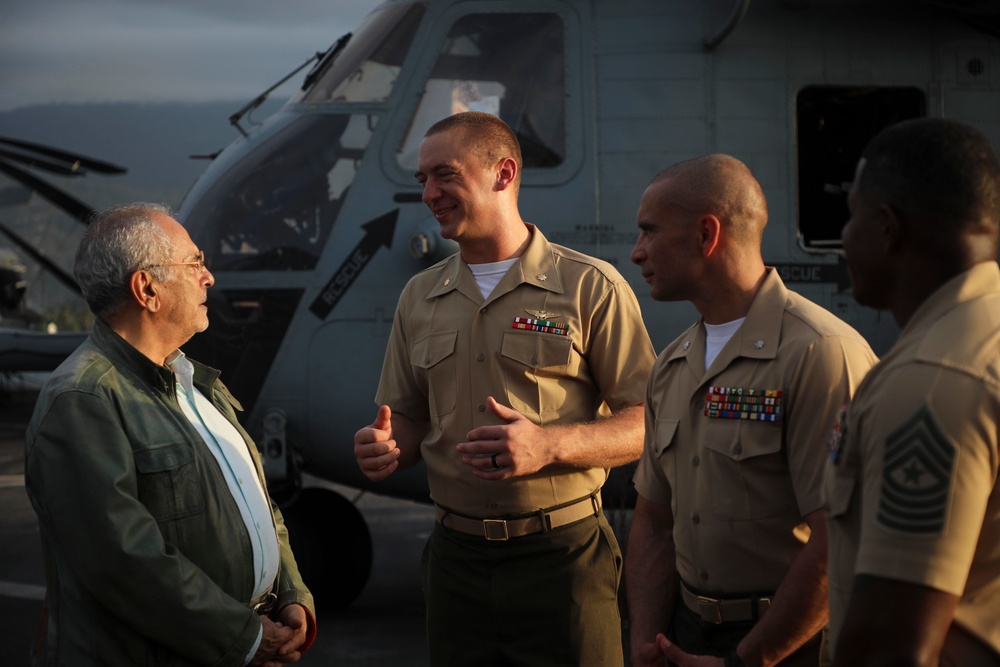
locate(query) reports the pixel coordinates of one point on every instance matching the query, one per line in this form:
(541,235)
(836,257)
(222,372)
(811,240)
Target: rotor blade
(66,202)
(46,263)
(43,164)
(99,166)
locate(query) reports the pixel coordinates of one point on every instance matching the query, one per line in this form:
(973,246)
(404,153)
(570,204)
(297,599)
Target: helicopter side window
(509,65)
(367,68)
(834,124)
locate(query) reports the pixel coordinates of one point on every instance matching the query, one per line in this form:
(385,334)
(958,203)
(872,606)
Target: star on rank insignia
(687,344)
(447,281)
(758,344)
(542,277)
(541,314)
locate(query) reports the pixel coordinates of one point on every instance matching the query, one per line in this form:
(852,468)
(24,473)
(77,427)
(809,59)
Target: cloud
(138,51)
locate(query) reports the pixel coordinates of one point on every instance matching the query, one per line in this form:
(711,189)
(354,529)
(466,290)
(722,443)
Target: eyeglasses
(197,263)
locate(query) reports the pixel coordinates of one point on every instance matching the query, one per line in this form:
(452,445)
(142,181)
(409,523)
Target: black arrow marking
(815,273)
(378,232)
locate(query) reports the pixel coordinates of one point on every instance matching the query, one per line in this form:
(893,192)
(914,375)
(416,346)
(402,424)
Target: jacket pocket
(433,357)
(169,483)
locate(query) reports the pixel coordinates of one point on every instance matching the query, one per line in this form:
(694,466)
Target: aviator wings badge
(542,314)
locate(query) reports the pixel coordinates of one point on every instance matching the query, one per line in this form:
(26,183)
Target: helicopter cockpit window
(274,210)
(510,65)
(834,124)
(366,70)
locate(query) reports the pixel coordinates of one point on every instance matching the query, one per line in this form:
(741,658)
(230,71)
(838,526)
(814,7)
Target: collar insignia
(758,344)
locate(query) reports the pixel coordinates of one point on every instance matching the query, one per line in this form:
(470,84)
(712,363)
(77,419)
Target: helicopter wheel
(332,546)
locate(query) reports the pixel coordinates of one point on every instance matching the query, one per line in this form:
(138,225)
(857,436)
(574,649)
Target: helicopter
(312,221)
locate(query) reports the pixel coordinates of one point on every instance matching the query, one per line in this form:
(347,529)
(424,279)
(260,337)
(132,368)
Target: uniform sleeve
(930,467)
(650,480)
(620,352)
(824,381)
(398,387)
(82,479)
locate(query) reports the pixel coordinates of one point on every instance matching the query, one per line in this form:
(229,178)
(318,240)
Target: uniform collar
(759,336)
(537,266)
(980,280)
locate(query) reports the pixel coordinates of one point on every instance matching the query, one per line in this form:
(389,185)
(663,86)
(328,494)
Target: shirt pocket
(169,482)
(433,358)
(750,470)
(529,360)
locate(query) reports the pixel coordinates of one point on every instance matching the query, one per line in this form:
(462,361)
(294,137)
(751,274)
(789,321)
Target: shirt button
(701,406)
(704,575)
(534,361)
(481,357)
(493,506)
(696,461)
(482,408)
(482,310)
(427,360)
(738,448)
(696,519)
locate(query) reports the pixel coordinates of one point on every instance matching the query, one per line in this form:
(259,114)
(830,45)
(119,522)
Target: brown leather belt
(502,529)
(725,610)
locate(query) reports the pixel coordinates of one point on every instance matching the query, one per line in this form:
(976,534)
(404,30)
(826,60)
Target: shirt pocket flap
(162,458)
(750,439)
(537,350)
(664,435)
(433,348)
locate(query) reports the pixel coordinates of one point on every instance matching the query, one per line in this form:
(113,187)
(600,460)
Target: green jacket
(147,558)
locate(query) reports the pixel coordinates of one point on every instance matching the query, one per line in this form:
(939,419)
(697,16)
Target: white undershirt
(489,274)
(716,337)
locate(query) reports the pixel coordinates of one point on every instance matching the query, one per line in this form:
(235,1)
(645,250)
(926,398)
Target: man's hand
(515,445)
(375,449)
(277,636)
(678,657)
(647,654)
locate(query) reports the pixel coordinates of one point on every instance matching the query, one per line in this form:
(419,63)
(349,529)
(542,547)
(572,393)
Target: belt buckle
(714,604)
(266,604)
(502,523)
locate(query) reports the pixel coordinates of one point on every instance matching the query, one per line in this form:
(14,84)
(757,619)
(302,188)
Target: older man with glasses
(161,543)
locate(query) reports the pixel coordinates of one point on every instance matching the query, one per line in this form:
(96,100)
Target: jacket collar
(124,356)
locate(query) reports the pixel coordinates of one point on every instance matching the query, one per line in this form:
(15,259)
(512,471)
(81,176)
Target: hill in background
(153,142)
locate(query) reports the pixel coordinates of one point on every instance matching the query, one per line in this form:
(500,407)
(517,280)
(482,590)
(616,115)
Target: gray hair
(118,242)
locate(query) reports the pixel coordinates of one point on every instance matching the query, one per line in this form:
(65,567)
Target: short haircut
(490,138)
(725,187)
(941,172)
(118,242)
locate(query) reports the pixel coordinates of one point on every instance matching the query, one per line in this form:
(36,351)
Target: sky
(79,51)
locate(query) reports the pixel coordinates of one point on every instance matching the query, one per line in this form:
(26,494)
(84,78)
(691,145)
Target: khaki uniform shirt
(738,450)
(561,340)
(911,488)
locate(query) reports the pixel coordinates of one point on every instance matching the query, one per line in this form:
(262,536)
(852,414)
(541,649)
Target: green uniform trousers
(545,599)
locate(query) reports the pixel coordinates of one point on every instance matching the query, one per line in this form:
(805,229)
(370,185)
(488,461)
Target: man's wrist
(732,659)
